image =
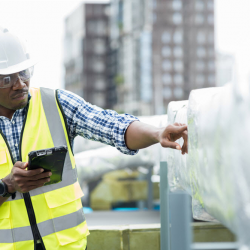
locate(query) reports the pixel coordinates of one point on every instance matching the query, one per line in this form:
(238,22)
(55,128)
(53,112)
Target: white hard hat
(14,56)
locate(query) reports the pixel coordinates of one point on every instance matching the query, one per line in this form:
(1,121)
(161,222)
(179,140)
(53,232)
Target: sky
(42,23)
(232,34)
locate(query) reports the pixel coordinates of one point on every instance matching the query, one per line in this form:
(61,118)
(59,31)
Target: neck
(6,112)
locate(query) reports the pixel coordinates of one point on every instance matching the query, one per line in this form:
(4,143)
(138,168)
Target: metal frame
(178,234)
(164,206)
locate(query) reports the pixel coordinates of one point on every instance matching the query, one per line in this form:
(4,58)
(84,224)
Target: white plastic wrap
(217,168)
(177,167)
(241,160)
(92,164)
(209,174)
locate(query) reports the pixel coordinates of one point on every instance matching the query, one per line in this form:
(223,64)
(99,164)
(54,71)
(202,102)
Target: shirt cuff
(126,150)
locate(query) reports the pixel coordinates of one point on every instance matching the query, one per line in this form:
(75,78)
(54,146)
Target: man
(50,217)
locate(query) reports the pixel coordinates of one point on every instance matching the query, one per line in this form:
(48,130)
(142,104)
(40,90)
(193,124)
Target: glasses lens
(5,82)
(26,74)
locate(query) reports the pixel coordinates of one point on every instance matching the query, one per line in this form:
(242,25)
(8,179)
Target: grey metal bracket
(215,246)
(164,207)
(176,208)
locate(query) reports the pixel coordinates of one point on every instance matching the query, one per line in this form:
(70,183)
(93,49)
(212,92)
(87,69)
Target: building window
(178,65)
(98,11)
(199,5)
(211,37)
(89,10)
(177,5)
(99,99)
(211,80)
(98,66)
(166,37)
(201,37)
(200,80)
(178,92)
(166,51)
(178,79)
(167,79)
(210,5)
(154,17)
(154,3)
(177,18)
(201,52)
(178,36)
(200,65)
(211,65)
(178,51)
(167,92)
(199,19)
(211,52)
(100,84)
(166,65)
(210,19)
(99,46)
(101,28)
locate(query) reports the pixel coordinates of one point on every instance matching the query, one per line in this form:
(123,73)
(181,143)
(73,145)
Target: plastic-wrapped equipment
(210,175)
(177,167)
(92,164)
(181,175)
(240,117)
(217,168)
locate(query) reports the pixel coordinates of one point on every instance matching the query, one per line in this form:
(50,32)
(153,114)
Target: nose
(19,84)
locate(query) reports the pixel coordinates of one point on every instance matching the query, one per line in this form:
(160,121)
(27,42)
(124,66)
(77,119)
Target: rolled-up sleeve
(94,123)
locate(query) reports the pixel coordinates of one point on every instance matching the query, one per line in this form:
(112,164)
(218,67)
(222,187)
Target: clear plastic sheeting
(241,160)
(177,167)
(216,171)
(209,174)
(219,144)
(92,164)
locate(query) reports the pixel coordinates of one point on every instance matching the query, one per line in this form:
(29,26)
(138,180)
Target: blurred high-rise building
(164,49)
(131,38)
(86,54)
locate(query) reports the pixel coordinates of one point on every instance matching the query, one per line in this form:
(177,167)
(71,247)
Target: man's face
(15,97)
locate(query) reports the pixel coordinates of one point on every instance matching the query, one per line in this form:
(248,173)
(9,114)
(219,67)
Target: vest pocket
(5,216)
(66,211)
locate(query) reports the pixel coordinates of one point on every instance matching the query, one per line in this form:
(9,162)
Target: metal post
(180,220)
(164,206)
(150,189)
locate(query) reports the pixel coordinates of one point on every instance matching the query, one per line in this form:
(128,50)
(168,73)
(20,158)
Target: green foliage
(119,80)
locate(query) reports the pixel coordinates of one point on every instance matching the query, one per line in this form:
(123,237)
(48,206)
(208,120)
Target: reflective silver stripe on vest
(69,176)
(47,227)
(61,223)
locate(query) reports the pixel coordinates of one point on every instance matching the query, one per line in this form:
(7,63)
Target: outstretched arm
(140,135)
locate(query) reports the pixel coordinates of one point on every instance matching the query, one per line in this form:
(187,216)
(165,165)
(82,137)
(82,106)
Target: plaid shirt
(83,118)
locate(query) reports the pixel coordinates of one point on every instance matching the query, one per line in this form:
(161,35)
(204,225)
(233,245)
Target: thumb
(23,165)
(174,145)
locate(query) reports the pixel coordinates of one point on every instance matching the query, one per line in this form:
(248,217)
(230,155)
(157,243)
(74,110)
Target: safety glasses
(7,81)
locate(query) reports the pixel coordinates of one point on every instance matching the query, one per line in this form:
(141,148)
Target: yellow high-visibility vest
(53,212)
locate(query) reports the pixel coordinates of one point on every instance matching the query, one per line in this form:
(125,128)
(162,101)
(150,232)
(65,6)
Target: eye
(6,80)
(24,75)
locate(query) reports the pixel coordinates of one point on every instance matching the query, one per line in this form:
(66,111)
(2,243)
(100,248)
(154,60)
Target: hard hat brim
(18,67)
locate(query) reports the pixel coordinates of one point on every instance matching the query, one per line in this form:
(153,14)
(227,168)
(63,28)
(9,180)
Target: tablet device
(50,159)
